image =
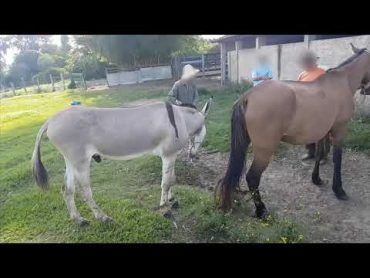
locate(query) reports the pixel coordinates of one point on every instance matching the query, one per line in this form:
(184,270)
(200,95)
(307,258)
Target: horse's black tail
(239,144)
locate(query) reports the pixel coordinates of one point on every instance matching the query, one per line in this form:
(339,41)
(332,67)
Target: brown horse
(297,113)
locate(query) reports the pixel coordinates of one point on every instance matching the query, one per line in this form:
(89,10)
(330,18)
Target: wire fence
(56,83)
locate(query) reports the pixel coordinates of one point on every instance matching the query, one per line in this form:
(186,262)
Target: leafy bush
(89,65)
(72,85)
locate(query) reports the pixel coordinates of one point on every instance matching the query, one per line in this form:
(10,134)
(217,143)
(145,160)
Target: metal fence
(208,64)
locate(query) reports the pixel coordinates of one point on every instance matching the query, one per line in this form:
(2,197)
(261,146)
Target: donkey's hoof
(175,204)
(341,195)
(105,219)
(82,221)
(167,214)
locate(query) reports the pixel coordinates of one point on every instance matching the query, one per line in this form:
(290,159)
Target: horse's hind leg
(68,191)
(319,154)
(168,178)
(253,177)
(82,175)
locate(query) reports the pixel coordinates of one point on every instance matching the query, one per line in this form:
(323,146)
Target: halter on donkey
(83,133)
(297,113)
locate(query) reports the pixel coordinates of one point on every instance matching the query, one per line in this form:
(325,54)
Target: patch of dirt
(98,88)
(287,190)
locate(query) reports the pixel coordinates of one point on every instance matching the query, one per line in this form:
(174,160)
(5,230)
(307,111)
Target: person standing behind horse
(311,71)
(184,92)
(262,72)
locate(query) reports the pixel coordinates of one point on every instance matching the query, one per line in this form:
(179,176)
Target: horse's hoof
(82,221)
(319,181)
(105,219)
(262,213)
(341,195)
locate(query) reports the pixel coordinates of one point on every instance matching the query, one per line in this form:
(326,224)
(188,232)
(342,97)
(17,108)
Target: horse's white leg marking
(69,192)
(82,175)
(168,177)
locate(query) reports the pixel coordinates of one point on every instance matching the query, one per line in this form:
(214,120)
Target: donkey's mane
(349,60)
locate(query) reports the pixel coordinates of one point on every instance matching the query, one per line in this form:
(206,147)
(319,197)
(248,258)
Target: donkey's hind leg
(82,175)
(168,178)
(68,191)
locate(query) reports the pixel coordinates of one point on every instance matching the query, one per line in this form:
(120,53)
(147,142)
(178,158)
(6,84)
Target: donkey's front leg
(168,178)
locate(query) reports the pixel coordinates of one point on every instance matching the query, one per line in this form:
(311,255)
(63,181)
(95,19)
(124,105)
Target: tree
(45,61)
(65,46)
(29,42)
(25,65)
(89,64)
(138,50)
(4,46)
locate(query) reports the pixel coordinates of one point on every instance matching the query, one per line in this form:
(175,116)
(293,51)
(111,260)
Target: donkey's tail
(38,170)
(239,144)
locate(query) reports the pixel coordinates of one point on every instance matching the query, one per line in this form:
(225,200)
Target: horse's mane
(349,60)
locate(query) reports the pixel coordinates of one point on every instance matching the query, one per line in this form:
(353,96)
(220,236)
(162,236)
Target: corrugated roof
(232,38)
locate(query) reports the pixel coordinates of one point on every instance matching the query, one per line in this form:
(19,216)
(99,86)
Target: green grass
(129,191)
(358,136)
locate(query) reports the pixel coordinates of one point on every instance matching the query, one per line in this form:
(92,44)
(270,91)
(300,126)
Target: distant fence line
(56,82)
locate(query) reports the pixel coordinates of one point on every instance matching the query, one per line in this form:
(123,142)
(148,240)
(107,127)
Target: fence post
(13,89)
(106,76)
(24,84)
(62,78)
(203,65)
(38,85)
(52,83)
(83,80)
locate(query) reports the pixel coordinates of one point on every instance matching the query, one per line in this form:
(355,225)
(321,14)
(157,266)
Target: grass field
(129,191)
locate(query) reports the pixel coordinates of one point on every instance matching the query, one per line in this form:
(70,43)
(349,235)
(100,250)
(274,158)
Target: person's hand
(178,102)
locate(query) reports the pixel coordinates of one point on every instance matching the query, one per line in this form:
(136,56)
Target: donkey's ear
(354,48)
(207,107)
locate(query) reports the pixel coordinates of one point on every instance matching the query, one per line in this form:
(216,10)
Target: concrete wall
(231,62)
(123,78)
(331,52)
(139,76)
(289,66)
(247,61)
(272,53)
(155,73)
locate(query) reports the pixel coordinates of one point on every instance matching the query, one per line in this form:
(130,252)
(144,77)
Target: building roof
(232,38)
